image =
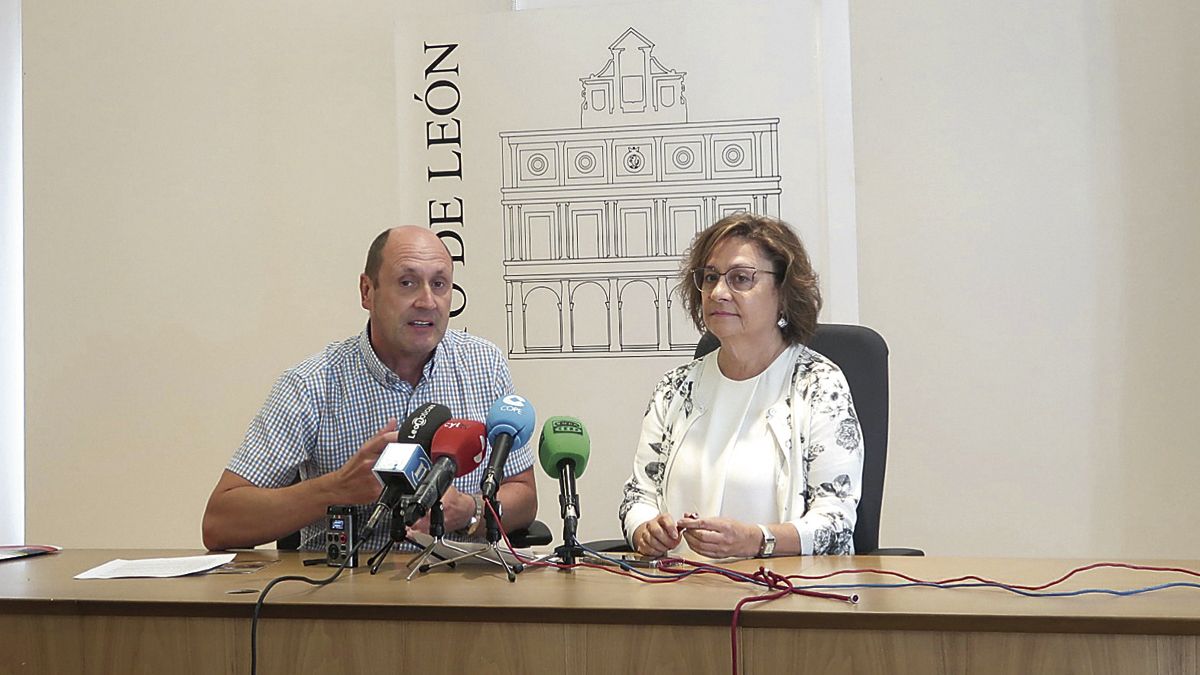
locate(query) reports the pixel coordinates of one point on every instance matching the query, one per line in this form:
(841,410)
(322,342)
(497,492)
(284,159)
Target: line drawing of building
(596,219)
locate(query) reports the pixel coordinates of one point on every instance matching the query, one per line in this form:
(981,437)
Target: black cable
(262,596)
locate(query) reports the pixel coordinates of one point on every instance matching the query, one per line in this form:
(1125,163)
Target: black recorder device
(340,536)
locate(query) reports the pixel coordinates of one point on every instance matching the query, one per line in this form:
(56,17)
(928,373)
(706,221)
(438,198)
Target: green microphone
(563,450)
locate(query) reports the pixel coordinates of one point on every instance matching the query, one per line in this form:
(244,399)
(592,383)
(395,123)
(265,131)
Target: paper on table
(156,567)
(452,549)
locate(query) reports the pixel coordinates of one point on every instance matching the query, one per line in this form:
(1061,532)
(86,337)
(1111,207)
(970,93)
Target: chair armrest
(289,543)
(537,534)
(609,546)
(894,551)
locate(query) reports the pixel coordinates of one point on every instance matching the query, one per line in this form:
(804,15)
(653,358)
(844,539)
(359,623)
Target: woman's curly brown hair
(799,290)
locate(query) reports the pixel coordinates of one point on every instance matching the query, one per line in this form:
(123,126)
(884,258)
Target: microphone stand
(493,537)
(437,530)
(568,500)
(571,550)
(399,532)
(377,560)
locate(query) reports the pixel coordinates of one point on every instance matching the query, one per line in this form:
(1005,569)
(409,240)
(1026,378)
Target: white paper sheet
(156,567)
(453,549)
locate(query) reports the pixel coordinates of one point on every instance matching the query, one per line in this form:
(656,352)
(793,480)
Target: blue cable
(1018,591)
(733,574)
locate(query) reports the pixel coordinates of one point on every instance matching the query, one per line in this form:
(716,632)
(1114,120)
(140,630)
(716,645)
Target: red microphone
(457,449)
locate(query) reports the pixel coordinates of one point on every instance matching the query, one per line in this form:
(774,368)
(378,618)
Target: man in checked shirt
(327,419)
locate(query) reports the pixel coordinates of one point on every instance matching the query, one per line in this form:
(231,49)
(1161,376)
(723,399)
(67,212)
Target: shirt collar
(383,374)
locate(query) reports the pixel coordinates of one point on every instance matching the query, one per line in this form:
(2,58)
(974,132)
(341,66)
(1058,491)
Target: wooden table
(473,620)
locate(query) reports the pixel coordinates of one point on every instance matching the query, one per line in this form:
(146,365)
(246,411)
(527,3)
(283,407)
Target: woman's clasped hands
(715,537)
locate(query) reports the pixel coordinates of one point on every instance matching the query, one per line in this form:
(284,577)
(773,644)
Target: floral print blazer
(817,434)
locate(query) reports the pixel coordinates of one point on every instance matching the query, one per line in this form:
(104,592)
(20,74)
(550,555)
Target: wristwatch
(767,548)
(473,524)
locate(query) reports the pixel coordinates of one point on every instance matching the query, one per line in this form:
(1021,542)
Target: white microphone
(404,464)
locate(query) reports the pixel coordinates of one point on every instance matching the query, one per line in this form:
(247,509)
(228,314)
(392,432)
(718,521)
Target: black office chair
(862,354)
(537,534)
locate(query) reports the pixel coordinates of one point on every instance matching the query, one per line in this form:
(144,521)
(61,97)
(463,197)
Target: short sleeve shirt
(320,411)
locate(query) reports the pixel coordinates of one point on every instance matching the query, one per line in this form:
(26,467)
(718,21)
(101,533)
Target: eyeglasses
(738,279)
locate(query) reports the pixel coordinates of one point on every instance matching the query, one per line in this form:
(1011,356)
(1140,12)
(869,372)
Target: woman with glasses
(754,449)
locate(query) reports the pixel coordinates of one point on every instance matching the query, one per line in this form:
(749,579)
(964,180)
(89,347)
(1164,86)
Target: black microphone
(563,449)
(403,464)
(457,449)
(510,422)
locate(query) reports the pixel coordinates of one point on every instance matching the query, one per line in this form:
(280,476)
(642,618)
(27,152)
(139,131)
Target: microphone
(510,422)
(563,450)
(457,449)
(403,464)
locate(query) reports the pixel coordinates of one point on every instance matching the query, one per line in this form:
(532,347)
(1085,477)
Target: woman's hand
(656,537)
(720,537)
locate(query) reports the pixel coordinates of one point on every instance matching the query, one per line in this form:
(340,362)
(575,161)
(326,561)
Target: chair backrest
(862,354)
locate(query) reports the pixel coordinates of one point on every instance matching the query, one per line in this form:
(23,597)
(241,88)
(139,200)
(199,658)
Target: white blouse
(727,463)
(711,445)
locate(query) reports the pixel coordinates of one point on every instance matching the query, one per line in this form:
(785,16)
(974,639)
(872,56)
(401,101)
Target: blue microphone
(510,422)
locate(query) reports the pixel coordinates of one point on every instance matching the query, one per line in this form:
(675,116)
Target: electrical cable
(673,569)
(262,596)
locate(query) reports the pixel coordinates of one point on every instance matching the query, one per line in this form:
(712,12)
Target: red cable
(783,585)
(973,577)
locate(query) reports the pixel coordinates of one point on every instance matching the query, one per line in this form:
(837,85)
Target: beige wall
(201,182)
(1029,232)
(1023,214)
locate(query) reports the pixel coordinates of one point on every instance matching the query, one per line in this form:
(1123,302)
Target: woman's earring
(783,322)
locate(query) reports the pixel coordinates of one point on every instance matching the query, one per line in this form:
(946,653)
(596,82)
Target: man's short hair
(375,256)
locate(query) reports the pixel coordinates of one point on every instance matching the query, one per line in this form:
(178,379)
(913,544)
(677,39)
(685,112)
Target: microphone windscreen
(463,441)
(564,438)
(402,465)
(511,415)
(422,424)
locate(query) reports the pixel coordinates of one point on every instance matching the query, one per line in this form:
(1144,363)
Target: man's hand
(457,509)
(354,482)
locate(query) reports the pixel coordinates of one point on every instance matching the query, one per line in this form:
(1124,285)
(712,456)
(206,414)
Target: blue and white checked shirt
(320,412)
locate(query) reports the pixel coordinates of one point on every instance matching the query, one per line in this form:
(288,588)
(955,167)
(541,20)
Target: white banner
(568,156)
